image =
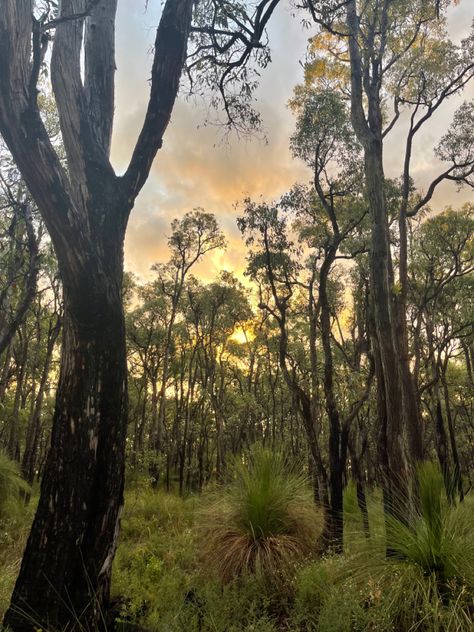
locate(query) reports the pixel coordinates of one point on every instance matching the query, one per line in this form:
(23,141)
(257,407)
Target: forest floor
(161,581)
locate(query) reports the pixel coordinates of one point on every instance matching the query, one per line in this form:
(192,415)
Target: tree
(85,207)
(325,141)
(378,50)
(321,223)
(440,307)
(193,236)
(215,311)
(20,255)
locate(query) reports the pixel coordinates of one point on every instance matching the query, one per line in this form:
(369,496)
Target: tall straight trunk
(359,481)
(336,461)
(456,482)
(140,421)
(441,440)
(381,281)
(410,395)
(469,357)
(68,557)
(367,123)
(5,373)
(13,447)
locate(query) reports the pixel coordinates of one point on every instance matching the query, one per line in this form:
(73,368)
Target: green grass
(13,535)
(158,579)
(163,580)
(15,521)
(260,523)
(428,586)
(11,486)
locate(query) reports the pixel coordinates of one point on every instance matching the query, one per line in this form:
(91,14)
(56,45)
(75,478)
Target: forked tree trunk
(66,569)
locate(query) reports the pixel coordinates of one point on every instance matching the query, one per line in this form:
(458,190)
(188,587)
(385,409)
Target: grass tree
(262,522)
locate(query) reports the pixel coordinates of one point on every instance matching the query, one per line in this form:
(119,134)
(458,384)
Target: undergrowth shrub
(158,582)
(11,485)
(427,585)
(154,564)
(15,520)
(262,522)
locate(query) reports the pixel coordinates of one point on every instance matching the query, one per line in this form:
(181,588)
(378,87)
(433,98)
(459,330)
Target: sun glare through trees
(236,315)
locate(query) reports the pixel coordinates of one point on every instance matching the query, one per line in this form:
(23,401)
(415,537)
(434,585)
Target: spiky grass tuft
(262,522)
(428,581)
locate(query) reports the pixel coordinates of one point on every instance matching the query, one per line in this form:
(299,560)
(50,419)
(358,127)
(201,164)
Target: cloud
(196,168)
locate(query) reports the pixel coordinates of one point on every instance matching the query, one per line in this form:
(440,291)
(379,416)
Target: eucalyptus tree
(295,293)
(215,311)
(377,52)
(325,141)
(194,235)
(19,251)
(151,326)
(440,308)
(85,206)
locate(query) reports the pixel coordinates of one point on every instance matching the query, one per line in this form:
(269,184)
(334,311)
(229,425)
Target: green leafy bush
(15,520)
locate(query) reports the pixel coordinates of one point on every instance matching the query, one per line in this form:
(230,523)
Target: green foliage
(11,484)
(157,579)
(428,582)
(154,563)
(15,521)
(160,583)
(428,585)
(438,537)
(262,522)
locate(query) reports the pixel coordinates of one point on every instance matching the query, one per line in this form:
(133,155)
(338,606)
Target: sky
(198,168)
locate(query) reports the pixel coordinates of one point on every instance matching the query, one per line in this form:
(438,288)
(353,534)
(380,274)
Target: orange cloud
(195,168)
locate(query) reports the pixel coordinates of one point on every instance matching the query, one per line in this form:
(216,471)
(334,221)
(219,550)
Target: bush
(157,582)
(155,561)
(262,522)
(11,484)
(15,520)
(428,582)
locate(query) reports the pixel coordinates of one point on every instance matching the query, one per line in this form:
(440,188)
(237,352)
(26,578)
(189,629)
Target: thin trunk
(13,447)
(34,426)
(334,532)
(457,475)
(5,374)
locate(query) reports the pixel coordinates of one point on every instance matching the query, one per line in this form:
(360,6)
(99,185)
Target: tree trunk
(368,129)
(13,447)
(68,558)
(336,465)
(5,374)
(381,279)
(456,482)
